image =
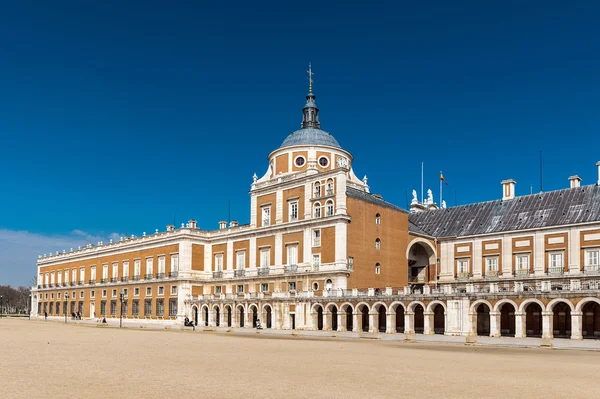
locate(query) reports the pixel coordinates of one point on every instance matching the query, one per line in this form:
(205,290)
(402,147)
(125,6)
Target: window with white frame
(218,289)
(351,263)
(556,259)
(66,273)
(491,263)
(52,278)
(105,272)
(148,291)
(377,243)
(463,266)
(92,294)
(377,219)
(317,190)
(264,287)
(328,284)
(137,267)
(81,294)
(136,291)
(81,273)
(149,266)
(240,260)
(47,277)
(316,259)
(317,210)
(173,290)
(329,208)
(265,257)
(125,268)
(161,290)
(316,238)
(523,262)
(174,263)
(377,268)
(292,254)
(115,270)
(103,293)
(293,207)
(292,286)
(161,264)
(240,289)
(93,273)
(329,187)
(218,262)
(592,258)
(58,278)
(73,276)
(114,293)
(266,216)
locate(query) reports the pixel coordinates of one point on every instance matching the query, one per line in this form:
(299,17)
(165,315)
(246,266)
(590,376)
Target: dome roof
(310,136)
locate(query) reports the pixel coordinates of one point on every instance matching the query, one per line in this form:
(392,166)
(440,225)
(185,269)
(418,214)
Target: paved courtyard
(39,359)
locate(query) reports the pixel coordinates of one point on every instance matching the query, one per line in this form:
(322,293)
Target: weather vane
(310,77)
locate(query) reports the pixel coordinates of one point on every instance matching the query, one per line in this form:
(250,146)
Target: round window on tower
(324,162)
(299,161)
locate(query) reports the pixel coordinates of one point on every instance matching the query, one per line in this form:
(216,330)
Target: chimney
(233,223)
(170,227)
(508,189)
(575,181)
(192,223)
(598,165)
(222,225)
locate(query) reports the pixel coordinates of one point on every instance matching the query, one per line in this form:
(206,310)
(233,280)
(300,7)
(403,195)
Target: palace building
(321,252)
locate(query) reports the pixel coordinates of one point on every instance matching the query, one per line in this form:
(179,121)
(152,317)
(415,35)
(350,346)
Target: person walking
(46,316)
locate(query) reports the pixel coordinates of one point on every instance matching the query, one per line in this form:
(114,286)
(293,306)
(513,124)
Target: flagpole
(422,199)
(441,188)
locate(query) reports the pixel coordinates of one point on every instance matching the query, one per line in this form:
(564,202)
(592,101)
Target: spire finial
(310,77)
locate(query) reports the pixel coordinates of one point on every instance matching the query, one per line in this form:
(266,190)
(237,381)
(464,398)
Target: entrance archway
(206,316)
(349,318)
(420,255)
(217,316)
(228,310)
(334,318)
(254,316)
(381,319)
(533,320)
(195,315)
(364,318)
(419,319)
(591,321)
(241,312)
(319,317)
(439,319)
(507,320)
(399,319)
(483,320)
(268,316)
(561,320)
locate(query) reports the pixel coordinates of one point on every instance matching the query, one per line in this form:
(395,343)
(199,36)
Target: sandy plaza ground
(54,360)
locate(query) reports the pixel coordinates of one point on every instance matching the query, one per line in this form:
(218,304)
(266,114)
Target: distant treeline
(14,300)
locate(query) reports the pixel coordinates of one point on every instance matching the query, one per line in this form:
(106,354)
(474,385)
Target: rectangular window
(149,265)
(592,257)
(161,265)
(58,278)
(265,255)
(218,289)
(240,289)
(491,264)
(292,286)
(174,263)
(161,290)
(463,266)
(92,294)
(113,308)
(103,308)
(293,205)
(137,267)
(240,260)
(81,274)
(148,291)
(115,271)
(114,293)
(218,262)
(125,268)
(316,238)
(105,272)
(316,260)
(103,293)
(58,295)
(135,308)
(93,273)
(556,259)
(73,276)
(124,308)
(264,287)
(125,292)
(81,294)
(136,291)
(148,307)
(523,262)
(52,278)
(292,255)
(160,307)
(173,290)
(351,263)
(266,216)
(172,307)
(66,276)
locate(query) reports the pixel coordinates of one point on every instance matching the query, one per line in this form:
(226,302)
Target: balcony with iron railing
(92,282)
(316,267)
(114,279)
(160,275)
(463,275)
(290,269)
(72,284)
(148,276)
(557,270)
(329,191)
(64,284)
(522,272)
(173,274)
(124,279)
(103,281)
(491,273)
(263,271)
(136,277)
(591,269)
(81,282)
(218,274)
(239,273)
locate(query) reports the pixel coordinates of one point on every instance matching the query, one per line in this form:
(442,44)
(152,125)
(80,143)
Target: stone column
(390,327)
(326,321)
(310,322)
(372,327)
(247,322)
(520,318)
(547,332)
(340,326)
(211,318)
(473,324)
(409,322)
(576,325)
(233,316)
(355,327)
(428,323)
(495,324)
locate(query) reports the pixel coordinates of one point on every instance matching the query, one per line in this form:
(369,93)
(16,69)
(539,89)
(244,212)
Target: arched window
(317,210)
(329,187)
(317,190)
(377,268)
(377,243)
(378,219)
(329,284)
(329,208)
(315,286)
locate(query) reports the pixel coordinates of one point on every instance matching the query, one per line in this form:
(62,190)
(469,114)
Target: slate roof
(554,208)
(368,197)
(310,136)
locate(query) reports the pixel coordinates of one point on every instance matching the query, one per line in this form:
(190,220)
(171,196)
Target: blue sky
(116,117)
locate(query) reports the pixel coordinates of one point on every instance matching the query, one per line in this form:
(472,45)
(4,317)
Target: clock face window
(300,161)
(324,162)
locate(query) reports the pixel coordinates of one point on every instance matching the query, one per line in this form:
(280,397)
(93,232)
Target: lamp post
(66,306)
(122,297)
(1,305)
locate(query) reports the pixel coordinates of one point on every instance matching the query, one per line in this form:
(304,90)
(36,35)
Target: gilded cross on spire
(310,77)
